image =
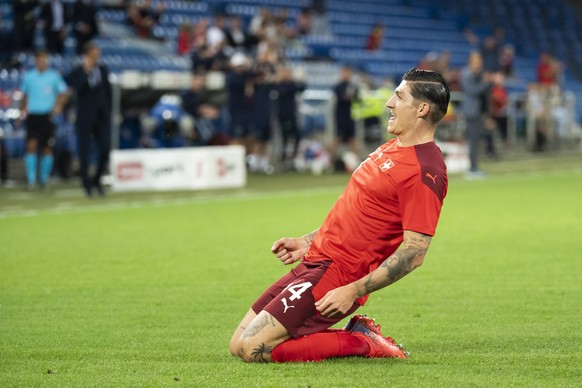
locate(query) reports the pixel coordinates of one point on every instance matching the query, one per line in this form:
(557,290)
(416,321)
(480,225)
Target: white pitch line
(220,198)
(240,196)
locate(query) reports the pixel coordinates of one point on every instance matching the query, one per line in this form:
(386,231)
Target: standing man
(24,24)
(44,94)
(92,90)
(474,84)
(378,231)
(55,17)
(345,92)
(288,90)
(239,85)
(84,22)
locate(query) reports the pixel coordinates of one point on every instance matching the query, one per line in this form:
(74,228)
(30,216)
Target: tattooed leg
(262,353)
(235,346)
(260,337)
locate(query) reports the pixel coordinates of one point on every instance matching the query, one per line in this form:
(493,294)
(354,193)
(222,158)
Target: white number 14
(297,289)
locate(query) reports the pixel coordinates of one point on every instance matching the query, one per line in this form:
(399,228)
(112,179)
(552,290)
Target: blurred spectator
(199,33)
(475,86)
(90,82)
(185,39)
(240,102)
(304,22)
(560,118)
(44,94)
(287,89)
(429,61)
(208,121)
(55,18)
(345,92)
(546,70)
(490,54)
(24,24)
(144,17)
(280,36)
(216,33)
(133,18)
(536,105)
(498,104)
(375,38)
(202,59)
(506,59)
(263,83)
(84,22)
(236,36)
(259,21)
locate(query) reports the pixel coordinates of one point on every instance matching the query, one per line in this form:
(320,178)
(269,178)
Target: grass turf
(147,291)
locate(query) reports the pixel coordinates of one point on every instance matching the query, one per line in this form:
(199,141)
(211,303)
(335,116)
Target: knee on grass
(251,351)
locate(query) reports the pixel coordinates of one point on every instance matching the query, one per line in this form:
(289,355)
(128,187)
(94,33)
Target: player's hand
(290,250)
(338,302)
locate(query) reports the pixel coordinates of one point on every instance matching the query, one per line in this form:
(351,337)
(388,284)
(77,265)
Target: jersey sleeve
(420,206)
(60,84)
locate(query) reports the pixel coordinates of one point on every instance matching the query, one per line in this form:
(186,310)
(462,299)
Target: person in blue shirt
(44,94)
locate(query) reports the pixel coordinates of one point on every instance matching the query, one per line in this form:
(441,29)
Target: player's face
(404,110)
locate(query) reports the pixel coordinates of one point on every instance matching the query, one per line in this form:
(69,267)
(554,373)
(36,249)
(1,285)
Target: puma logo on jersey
(432,177)
(285,305)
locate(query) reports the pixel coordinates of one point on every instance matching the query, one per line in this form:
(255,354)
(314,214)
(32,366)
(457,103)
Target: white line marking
(220,198)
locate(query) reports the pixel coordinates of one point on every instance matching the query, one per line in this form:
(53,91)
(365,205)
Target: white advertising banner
(178,168)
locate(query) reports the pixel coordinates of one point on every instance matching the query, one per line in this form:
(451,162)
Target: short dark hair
(88,46)
(431,87)
(41,52)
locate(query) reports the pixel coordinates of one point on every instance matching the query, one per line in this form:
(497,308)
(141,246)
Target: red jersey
(395,189)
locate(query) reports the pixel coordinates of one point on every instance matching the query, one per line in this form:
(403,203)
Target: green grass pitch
(145,289)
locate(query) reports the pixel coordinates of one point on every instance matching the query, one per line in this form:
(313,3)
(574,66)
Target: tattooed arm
(410,256)
(290,250)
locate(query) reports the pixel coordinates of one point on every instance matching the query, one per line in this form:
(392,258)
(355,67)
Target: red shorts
(291,300)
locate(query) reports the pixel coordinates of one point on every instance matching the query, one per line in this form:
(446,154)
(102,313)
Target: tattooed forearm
(309,237)
(261,352)
(398,265)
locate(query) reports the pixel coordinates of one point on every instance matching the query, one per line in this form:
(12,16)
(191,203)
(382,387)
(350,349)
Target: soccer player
(378,231)
(44,95)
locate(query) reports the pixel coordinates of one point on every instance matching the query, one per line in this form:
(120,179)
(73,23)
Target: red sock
(319,346)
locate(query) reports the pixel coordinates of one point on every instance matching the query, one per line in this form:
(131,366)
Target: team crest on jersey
(387,165)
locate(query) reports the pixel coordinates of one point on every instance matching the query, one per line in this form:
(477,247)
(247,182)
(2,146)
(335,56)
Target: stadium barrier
(178,168)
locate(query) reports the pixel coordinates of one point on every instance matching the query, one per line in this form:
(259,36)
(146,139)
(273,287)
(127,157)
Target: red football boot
(380,346)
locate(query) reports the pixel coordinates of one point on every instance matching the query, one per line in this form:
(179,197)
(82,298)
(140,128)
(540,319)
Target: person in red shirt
(378,231)
(546,74)
(374,40)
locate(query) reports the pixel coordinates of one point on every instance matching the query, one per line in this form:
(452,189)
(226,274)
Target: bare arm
(290,250)
(24,102)
(61,102)
(410,256)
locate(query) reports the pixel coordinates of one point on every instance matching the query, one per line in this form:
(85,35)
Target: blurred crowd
(242,84)
(485,104)
(57,19)
(243,89)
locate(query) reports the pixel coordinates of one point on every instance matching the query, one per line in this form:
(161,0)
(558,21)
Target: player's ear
(423,110)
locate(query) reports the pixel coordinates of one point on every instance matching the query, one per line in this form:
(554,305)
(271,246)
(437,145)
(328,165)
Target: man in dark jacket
(92,90)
